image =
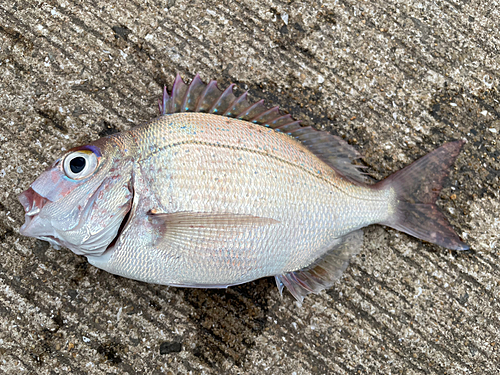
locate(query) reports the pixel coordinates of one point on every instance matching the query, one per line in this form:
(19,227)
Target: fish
(220,190)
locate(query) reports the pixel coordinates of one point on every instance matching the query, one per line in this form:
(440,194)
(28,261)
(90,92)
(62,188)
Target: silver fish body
(204,163)
(197,199)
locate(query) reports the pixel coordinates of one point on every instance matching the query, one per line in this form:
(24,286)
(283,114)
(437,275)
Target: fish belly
(210,164)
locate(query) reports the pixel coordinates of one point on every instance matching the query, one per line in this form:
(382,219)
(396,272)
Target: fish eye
(80,164)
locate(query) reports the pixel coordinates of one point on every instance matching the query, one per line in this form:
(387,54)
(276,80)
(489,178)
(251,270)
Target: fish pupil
(77,164)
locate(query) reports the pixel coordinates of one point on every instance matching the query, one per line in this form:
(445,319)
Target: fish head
(81,201)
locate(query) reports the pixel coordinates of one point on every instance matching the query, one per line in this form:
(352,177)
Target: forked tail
(417,187)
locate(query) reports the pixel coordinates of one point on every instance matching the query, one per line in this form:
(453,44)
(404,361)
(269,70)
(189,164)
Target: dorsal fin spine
(264,114)
(162,104)
(302,131)
(185,103)
(282,120)
(205,104)
(234,105)
(289,127)
(249,109)
(200,101)
(228,91)
(175,93)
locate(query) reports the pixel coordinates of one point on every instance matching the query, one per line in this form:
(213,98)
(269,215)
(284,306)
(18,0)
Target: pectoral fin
(185,226)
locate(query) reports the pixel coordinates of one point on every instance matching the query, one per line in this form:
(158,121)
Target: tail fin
(417,187)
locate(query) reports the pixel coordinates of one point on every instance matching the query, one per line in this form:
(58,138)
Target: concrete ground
(395,78)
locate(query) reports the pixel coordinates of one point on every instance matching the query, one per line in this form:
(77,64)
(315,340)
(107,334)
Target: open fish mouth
(76,236)
(32,201)
(33,204)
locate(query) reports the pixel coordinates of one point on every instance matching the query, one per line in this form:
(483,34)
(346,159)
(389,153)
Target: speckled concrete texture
(395,78)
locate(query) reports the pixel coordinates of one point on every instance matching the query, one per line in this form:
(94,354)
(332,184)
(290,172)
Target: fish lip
(32,203)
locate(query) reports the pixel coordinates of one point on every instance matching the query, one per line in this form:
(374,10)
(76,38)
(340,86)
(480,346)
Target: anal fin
(324,271)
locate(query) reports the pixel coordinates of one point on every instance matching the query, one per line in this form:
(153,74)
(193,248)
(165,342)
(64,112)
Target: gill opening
(124,222)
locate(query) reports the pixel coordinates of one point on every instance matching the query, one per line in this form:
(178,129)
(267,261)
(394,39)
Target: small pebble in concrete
(170,347)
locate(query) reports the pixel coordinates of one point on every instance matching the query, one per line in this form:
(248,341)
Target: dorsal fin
(333,150)
(198,97)
(208,98)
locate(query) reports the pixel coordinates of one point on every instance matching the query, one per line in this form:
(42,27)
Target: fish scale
(219,191)
(248,170)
